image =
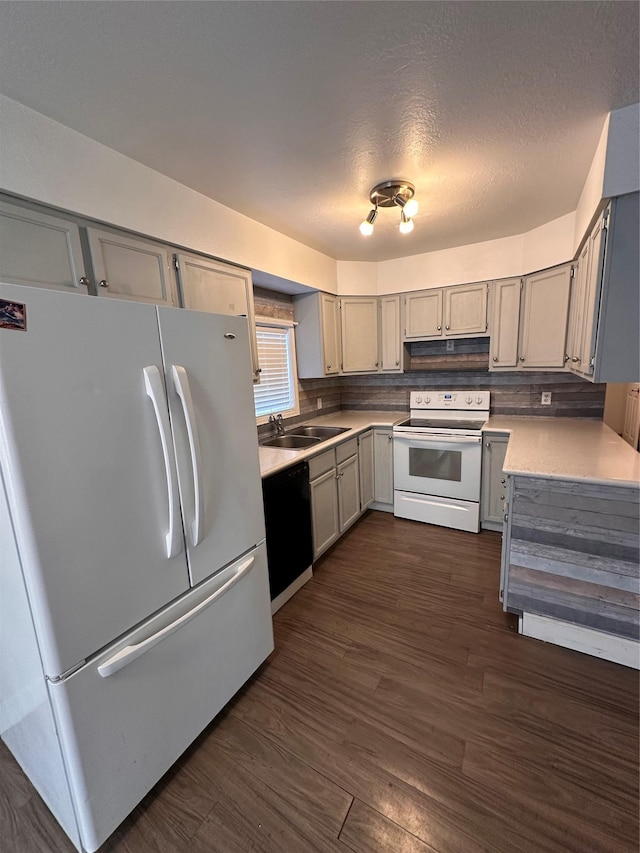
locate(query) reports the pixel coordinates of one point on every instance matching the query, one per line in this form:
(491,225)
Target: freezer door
(125,718)
(89,487)
(210,390)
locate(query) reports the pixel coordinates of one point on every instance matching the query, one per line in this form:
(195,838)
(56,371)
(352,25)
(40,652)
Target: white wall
(46,161)
(43,160)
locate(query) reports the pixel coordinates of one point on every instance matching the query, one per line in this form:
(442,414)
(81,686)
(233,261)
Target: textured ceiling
(291,111)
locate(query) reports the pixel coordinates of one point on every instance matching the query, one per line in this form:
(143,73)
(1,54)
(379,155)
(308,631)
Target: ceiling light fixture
(394,193)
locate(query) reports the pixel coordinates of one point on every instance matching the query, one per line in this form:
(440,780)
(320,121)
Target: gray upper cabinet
(605,320)
(207,285)
(390,334)
(359,334)
(131,268)
(465,310)
(505,320)
(40,249)
(423,315)
(529,321)
(545,312)
(317,335)
(575,337)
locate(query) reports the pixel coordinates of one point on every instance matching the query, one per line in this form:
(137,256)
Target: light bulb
(366,227)
(411,208)
(406,224)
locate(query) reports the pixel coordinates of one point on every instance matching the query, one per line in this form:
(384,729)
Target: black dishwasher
(287,510)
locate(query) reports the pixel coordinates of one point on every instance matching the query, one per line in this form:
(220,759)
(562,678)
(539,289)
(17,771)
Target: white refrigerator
(134,595)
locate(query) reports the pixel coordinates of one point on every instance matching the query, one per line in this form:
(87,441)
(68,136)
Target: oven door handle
(441,438)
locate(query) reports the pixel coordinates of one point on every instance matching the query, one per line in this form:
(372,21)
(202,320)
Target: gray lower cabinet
(334,478)
(366,467)
(348,492)
(324,511)
(131,268)
(494,449)
(40,249)
(383,469)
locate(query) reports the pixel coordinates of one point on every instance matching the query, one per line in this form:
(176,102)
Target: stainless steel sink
(318,431)
(294,442)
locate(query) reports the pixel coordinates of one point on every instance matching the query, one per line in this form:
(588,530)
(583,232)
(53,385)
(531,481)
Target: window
(277,391)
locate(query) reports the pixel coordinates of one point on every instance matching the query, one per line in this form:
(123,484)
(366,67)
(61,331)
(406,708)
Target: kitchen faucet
(276,420)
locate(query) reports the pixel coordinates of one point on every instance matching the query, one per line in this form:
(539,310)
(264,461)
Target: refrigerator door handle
(183,390)
(155,391)
(129,653)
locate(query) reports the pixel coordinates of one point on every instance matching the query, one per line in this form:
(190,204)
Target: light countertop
(567,449)
(274,459)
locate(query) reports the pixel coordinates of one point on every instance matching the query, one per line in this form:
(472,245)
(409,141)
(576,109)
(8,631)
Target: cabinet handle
(103,283)
(390,437)
(84,281)
(521,358)
(376,363)
(575,359)
(495,358)
(501,497)
(397,363)
(258,370)
(439,328)
(488,444)
(328,367)
(447,328)
(566,358)
(502,480)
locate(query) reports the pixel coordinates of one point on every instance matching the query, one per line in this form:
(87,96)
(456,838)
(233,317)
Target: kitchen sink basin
(293,442)
(318,431)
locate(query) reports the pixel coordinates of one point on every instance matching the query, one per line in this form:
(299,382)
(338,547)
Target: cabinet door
(390,340)
(330,327)
(593,285)
(365,464)
(423,315)
(545,311)
(40,250)
(348,492)
(465,309)
(359,334)
(493,480)
(128,268)
(206,285)
(324,512)
(383,465)
(505,320)
(576,310)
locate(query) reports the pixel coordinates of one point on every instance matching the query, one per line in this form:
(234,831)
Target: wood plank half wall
(431,366)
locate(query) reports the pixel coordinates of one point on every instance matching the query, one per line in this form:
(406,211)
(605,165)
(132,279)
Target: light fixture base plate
(383,195)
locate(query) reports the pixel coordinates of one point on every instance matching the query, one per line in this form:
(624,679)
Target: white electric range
(437,458)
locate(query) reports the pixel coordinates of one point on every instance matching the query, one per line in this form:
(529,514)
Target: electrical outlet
(319,402)
(545,400)
(450,346)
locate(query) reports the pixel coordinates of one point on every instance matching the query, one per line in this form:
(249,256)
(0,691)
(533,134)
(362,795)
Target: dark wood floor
(400,712)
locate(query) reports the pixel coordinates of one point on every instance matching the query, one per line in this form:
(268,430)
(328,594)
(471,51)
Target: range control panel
(458,400)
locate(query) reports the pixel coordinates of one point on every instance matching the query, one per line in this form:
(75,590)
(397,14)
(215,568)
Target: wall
(47,162)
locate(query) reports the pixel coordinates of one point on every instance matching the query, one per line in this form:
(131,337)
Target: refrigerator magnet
(13,315)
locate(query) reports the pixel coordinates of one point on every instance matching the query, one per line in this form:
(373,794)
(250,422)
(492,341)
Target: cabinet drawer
(346,449)
(322,463)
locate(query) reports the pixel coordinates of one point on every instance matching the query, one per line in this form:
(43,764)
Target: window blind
(276,392)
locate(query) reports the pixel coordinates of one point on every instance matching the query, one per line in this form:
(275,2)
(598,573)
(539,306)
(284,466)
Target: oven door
(443,466)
